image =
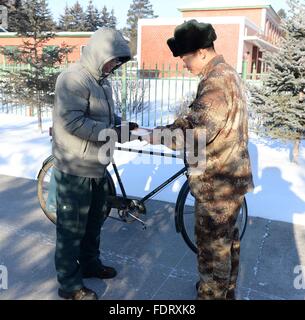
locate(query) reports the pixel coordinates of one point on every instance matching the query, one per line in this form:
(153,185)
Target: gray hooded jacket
(84,106)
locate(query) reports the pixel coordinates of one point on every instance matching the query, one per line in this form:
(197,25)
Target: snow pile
(280,185)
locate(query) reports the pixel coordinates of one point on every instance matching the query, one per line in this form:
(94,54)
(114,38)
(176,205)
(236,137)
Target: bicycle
(131,209)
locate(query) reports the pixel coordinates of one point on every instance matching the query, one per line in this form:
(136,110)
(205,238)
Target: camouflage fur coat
(220,110)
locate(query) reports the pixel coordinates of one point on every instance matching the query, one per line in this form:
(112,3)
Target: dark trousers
(218,245)
(81,209)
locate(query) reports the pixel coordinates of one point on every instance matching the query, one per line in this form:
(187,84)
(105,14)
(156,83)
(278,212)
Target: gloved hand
(132,126)
(123,131)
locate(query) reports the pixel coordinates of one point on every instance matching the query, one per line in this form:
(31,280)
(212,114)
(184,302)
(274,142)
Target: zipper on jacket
(86,147)
(109,107)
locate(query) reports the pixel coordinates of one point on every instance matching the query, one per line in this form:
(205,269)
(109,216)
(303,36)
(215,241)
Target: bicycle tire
(181,216)
(47,166)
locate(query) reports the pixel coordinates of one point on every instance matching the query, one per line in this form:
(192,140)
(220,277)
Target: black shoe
(197,285)
(102,272)
(231,295)
(80,294)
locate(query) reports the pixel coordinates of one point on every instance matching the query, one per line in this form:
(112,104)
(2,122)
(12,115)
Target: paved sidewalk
(151,264)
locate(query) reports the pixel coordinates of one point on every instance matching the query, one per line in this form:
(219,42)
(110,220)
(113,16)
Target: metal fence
(10,102)
(148,95)
(152,95)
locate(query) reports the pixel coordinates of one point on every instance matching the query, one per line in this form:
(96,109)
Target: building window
(48,49)
(82,50)
(9,49)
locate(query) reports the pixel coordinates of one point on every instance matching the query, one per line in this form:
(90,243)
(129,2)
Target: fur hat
(191,36)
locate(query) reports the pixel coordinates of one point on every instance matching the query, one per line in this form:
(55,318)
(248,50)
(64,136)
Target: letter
(196,150)
(106,151)
(171,309)
(140,310)
(185,309)
(161,307)
(178,309)
(112,310)
(173,139)
(3,278)
(122,310)
(131,309)
(124,132)
(299,281)
(156,307)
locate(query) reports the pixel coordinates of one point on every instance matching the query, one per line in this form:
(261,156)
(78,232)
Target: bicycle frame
(130,209)
(161,186)
(125,203)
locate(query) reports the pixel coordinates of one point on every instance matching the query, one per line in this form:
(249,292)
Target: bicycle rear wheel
(185,217)
(46,190)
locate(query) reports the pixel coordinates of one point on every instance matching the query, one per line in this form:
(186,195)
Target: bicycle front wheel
(185,217)
(46,190)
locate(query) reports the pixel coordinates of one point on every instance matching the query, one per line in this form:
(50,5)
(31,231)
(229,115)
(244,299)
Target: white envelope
(140,132)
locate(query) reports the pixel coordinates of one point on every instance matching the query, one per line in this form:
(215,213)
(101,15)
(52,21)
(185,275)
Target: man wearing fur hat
(220,109)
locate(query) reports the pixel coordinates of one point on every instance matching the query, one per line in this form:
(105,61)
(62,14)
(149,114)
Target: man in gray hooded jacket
(83,108)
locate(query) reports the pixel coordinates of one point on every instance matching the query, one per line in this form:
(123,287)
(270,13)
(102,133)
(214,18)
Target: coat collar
(211,65)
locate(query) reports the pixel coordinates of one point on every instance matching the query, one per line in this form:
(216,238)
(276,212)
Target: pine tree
(104,17)
(112,20)
(66,20)
(35,84)
(108,19)
(138,9)
(10,6)
(279,103)
(92,21)
(78,17)
(282,14)
(13,7)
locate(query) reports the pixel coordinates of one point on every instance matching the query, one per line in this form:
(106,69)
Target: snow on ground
(22,146)
(280,185)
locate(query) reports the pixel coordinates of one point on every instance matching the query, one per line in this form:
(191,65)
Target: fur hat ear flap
(191,36)
(172,45)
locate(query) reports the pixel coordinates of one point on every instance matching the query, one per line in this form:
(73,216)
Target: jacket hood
(104,45)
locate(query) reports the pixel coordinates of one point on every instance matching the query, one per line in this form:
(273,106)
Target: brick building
(244,32)
(76,39)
